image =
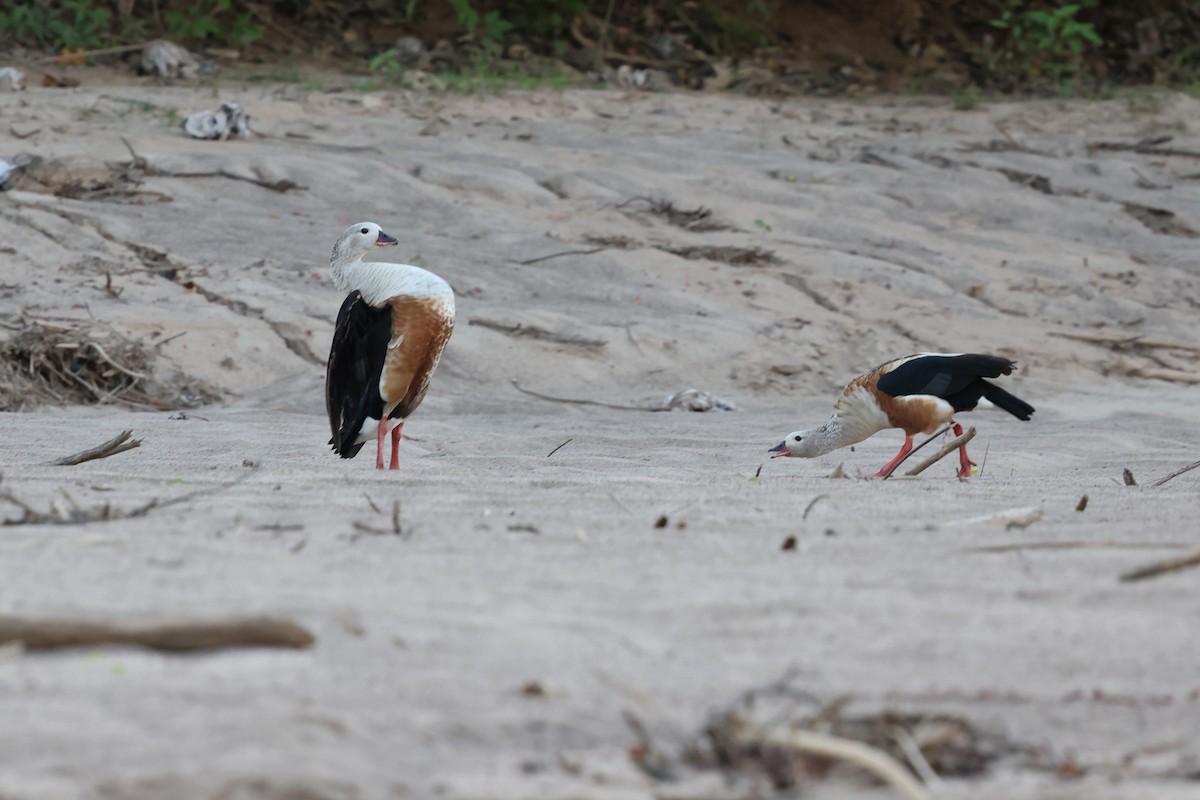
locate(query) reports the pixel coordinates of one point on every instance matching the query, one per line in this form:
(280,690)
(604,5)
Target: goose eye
(796,438)
(365,230)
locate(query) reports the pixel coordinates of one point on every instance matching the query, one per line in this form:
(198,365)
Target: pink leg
(380,437)
(396,446)
(964,463)
(905,450)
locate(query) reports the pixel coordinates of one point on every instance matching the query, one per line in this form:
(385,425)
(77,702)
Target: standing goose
(916,394)
(390,333)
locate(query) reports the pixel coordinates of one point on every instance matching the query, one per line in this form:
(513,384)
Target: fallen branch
(281,186)
(1148,147)
(1172,375)
(170,338)
(560,447)
(1075,544)
(80,55)
(118,444)
(1162,568)
(914,450)
(534,332)
(811,503)
(59,515)
(593,251)
(1175,474)
(1123,342)
(875,761)
(947,448)
(916,759)
(585,402)
(180,636)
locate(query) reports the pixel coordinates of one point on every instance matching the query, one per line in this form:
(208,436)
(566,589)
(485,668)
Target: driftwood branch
(105,512)
(1171,375)
(585,402)
(519,330)
(283,185)
(1175,474)
(177,636)
(1149,146)
(913,451)
(118,444)
(1162,567)
(70,58)
(590,252)
(862,755)
(947,448)
(1127,342)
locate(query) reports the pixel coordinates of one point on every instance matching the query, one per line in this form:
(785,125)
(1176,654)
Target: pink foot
(964,463)
(888,467)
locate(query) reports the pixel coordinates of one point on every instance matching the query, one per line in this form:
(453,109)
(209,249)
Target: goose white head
(799,444)
(812,442)
(360,239)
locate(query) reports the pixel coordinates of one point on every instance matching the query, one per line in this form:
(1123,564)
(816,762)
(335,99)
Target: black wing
(957,379)
(356,358)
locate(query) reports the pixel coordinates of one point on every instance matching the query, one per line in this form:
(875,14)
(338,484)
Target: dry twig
(585,402)
(106,512)
(1162,567)
(914,450)
(593,251)
(1126,342)
(810,505)
(1176,474)
(178,636)
(862,755)
(534,332)
(947,448)
(118,444)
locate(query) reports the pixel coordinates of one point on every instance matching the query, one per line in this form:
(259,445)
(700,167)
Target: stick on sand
(1175,474)
(177,636)
(947,448)
(118,444)
(1162,568)
(862,755)
(914,450)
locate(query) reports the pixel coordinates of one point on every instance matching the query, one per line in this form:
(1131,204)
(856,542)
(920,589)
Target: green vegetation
(69,25)
(1064,46)
(1048,42)
(212,21)
(966,99)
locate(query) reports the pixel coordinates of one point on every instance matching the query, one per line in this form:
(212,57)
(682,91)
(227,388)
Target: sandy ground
(871,229)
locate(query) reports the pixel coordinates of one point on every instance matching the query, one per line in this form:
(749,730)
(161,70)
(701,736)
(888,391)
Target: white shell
(228,120)
(11,79)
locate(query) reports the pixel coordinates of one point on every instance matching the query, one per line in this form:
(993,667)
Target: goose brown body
(388,340)
(917,394)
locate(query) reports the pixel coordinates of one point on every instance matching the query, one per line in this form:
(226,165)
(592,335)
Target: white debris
(696,400)
(11,79)
(10,168)
(1010,518)
(645,80)
(168,60)
(228,120)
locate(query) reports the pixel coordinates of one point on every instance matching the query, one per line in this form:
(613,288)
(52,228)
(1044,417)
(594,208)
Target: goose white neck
(378,282)
(827,438)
